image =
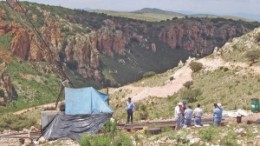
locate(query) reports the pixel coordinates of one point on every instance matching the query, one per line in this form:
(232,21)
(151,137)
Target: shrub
(149,74)
(257,38)
(171,78)
(191,94)
(143,112)
(16,122)
(110,127)
(122,140)
(6,40)
(253,55)
(229,140)
(85,140)
(196,66)
(142,107)
(188,84)
(207,134)
(105,140)
(225,69)
(2,93)
(101,140)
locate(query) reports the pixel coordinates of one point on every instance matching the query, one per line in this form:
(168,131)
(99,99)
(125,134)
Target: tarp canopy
(74,126)
(81,101)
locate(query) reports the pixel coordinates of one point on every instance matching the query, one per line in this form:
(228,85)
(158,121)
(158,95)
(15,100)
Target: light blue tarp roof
(81,101)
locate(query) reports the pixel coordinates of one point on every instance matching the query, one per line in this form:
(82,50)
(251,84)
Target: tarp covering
(88,100)
(73,126)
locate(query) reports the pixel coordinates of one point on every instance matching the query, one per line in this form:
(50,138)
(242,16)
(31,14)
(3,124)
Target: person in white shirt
(197,113)
(130,106)
(188,116)
(178,115)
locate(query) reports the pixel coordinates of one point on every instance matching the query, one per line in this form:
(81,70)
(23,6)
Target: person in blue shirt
(197,113)
(221,109)
(188,116)
(217,115)
(130,106)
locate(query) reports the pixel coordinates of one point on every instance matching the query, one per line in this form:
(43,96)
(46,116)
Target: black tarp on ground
(73,126)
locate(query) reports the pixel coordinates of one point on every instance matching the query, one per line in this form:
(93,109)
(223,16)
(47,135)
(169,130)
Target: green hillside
(146,14)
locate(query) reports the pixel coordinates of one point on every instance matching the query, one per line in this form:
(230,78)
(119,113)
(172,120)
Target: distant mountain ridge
(155,14)
(158,11)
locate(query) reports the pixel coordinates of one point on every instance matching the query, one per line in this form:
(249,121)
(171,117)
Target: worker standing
(178,115)
(188,116)
(197,113)
(130,106)
(217,115)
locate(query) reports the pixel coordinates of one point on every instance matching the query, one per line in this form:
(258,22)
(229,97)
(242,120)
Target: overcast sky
(244,8)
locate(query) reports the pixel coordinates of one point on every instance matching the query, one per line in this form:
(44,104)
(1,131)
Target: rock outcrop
(200,36)
(4,27)
(81,54)
(7,90)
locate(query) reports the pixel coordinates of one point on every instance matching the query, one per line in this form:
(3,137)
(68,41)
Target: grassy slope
(33,85)
(231,89)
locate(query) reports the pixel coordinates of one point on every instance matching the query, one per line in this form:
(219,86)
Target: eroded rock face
(82,55)
(21,43)
(7,90)
(81,51)
(30,45)
(199,37)
(111,41)
(4,28)
(51,34)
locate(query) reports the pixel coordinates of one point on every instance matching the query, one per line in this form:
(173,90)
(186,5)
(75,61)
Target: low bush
(105,140)
(122,140)
(253,55)
(149,74)
(191,94)
(207,134)
(257,38)
(143,114)
(188,84)
(16,122)
(196,66)
(229,140)
(110,127)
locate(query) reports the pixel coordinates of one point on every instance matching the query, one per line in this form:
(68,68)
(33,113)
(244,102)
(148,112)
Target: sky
(243,8)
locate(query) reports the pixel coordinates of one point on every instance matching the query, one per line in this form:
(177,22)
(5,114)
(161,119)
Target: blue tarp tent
(82,101)
(86,111)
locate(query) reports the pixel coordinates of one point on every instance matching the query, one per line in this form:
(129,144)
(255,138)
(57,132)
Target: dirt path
(181,76)
(41,107)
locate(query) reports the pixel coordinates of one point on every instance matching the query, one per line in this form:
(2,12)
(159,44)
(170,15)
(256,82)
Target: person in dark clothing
(130,106)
